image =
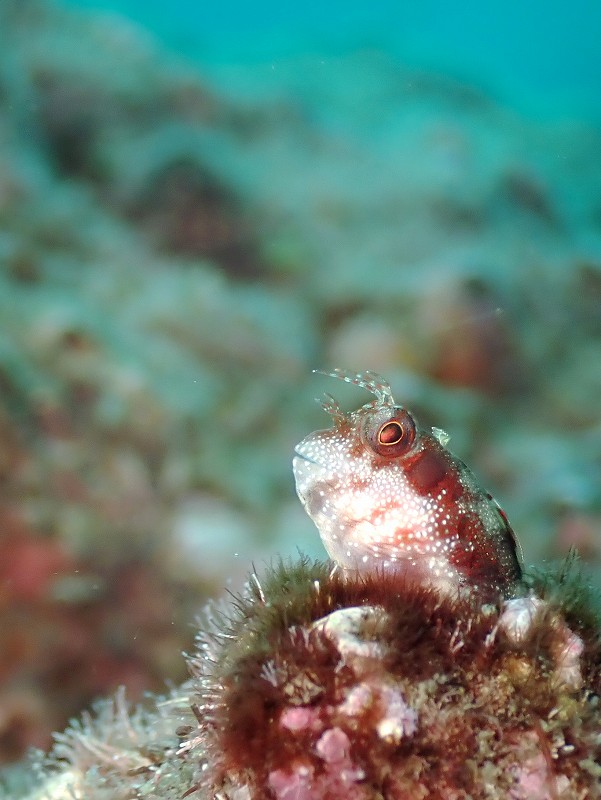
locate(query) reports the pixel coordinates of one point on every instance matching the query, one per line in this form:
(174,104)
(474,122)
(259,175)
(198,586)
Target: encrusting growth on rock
(319,685)
(322,685)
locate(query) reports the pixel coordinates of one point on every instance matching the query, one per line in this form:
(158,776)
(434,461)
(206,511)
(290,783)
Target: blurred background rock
(197,207)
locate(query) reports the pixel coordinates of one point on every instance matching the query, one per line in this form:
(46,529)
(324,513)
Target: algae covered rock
(311,685)
(324,687)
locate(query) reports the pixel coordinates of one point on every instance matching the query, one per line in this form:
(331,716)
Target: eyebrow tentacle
(369,380)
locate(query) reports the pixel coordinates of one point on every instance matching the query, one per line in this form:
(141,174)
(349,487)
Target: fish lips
(306,470)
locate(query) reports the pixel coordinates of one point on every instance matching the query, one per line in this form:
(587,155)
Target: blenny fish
(387,495)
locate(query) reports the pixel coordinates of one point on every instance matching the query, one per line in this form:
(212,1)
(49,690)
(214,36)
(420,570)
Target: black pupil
(390,433)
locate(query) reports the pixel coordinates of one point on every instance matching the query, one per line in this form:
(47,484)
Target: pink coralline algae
(297,718)
(337,775)
(534,778)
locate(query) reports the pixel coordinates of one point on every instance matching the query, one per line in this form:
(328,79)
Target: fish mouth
(299,454)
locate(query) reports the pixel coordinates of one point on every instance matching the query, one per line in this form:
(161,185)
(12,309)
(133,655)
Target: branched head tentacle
(369,380)
(332,407)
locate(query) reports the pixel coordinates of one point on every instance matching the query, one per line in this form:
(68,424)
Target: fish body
(387,495)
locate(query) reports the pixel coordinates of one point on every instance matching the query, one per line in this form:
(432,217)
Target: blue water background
(542,58)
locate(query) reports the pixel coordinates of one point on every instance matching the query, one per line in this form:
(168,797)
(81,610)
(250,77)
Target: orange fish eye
(389,432)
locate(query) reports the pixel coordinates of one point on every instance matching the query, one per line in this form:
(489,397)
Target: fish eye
(389,432)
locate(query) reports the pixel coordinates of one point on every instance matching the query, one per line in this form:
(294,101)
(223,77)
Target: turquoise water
(542,58)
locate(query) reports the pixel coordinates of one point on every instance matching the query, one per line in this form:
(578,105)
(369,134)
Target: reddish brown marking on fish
(385,494)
